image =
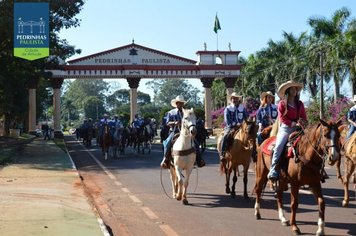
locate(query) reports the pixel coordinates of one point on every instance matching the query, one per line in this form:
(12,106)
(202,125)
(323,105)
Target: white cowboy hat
(283,87)
(179,98)
(234,95)
(354,100)
(264,94)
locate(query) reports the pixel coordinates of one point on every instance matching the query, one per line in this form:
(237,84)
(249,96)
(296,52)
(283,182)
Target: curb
(102,225)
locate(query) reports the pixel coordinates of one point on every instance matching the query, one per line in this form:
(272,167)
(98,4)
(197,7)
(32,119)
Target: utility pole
(321,85)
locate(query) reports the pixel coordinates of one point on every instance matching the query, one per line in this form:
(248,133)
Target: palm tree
(331,38)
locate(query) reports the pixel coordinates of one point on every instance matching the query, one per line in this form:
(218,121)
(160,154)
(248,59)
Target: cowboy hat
(283,87)
(179,98)
(264,94)
(234,95)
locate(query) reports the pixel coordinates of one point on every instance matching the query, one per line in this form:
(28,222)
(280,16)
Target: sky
(182,27)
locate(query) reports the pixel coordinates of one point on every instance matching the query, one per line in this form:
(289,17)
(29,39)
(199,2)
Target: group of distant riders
(89,129)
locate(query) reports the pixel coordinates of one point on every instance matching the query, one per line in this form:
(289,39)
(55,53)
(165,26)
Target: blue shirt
(137,123)
(267,115)
(174,115)
(234,115)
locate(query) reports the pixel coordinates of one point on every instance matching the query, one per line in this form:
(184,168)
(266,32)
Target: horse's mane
(311,134)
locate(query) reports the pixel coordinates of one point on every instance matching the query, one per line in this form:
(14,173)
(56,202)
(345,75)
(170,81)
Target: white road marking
(168,230)
(149,213)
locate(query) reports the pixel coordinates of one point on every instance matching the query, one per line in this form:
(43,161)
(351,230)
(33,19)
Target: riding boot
(223,148)
(199,160)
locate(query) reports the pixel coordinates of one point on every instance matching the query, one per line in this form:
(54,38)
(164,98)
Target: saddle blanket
(269,145)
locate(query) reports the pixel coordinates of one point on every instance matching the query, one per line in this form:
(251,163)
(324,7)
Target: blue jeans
(167,144)
(282,137)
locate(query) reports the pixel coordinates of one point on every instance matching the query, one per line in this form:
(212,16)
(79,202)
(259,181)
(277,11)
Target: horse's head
(330,140)
(189,121)
(249,130)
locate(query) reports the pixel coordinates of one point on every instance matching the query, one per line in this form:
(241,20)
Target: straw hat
(264,94)
(179,98)
(283,87)
(234,95)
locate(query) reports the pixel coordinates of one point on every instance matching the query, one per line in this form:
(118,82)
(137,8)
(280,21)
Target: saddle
(292,143)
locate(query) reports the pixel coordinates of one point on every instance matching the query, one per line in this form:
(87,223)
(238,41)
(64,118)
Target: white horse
(183,153)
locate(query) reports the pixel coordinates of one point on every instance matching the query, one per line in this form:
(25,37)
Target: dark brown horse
(239,154)
(318,144)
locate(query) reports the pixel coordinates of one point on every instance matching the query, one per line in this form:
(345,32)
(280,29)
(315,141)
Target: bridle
(324,155)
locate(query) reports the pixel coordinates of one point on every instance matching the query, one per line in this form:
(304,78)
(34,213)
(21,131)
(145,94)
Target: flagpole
(217,41)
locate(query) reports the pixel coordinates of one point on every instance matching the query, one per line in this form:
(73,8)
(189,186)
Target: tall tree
(331,36)
(87,96)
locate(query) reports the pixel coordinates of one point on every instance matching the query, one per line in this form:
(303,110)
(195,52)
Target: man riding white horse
(174,119)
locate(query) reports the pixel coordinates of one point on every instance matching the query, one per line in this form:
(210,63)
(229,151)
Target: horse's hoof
(233,194)
(285,223)
(178,198)
(345,203)
(227,190)
(258,216)
(185,201)
(297,232)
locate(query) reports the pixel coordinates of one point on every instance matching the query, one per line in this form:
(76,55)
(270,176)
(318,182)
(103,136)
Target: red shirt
(292,113)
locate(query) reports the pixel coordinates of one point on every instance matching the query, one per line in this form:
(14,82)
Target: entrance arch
(134,62)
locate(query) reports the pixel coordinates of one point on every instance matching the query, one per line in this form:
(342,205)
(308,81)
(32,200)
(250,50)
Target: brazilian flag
(216,24)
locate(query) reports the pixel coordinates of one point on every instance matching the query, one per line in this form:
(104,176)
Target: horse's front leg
(234,180)
(186,183)
(294,206)
(174,181)
(245,182)
(227,176)
(179,182)
(316,189)
(281,216)
(349,170)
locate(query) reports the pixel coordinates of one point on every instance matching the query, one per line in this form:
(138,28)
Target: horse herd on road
(302,163)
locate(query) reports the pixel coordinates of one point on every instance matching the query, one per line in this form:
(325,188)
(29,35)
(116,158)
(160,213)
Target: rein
(324,149)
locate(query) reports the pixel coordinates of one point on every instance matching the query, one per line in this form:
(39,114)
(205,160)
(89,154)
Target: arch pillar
(229,84)
(32,88)
(207,84)
(133,84)
(56,85)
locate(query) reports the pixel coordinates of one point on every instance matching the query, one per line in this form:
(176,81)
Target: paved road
(132,200)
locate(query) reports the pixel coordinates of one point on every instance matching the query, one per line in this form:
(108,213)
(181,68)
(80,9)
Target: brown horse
(318,143)
(350,162)
(239,154)
(106,141)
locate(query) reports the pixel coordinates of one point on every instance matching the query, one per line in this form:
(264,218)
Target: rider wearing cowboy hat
(173,120)
(267,113)
(234,115)
(351,117)
(290,111)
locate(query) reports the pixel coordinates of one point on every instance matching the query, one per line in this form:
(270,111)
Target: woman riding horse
(317,144)
(266,114)
(290,111)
